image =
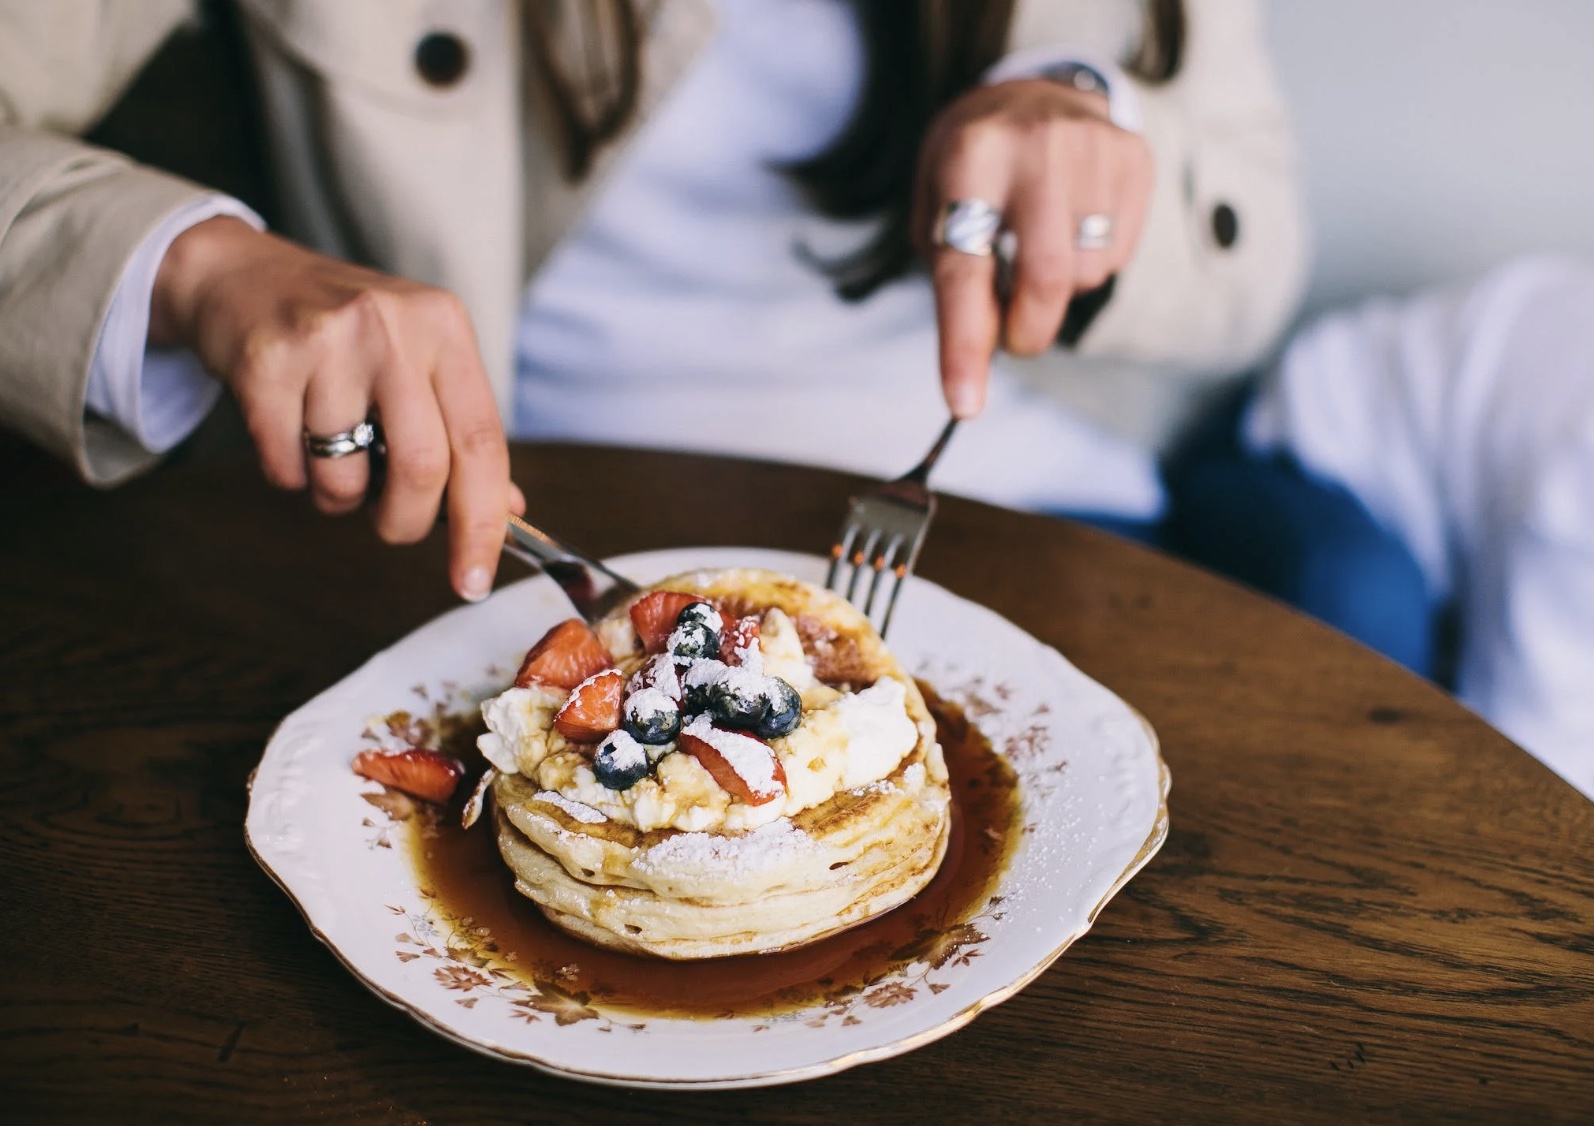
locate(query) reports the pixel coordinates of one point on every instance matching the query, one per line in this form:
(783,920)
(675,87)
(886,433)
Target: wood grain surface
(1370,907)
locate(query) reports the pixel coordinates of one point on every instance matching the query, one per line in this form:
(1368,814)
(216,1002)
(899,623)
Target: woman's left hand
(1045,156)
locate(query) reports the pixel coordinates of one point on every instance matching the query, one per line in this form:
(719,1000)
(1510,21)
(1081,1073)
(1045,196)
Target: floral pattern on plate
(1088,823)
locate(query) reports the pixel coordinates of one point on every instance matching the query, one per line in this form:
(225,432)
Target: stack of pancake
(799,877)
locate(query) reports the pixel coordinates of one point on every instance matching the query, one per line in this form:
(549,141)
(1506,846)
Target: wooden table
(1370,906)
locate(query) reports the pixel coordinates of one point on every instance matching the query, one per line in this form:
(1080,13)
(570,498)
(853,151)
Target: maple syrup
(461,872)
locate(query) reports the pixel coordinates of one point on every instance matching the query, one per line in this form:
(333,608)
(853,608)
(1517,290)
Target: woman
(689,224)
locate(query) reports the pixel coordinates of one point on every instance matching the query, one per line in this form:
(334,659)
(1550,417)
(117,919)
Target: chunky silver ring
(356,440)
(969,226)
(1095,232)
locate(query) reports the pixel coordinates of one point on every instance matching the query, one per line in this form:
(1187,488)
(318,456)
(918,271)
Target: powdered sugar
(593,679)
(751,760)
(649,705)
(624,752)
(746,652)
(883,786)
(703,673)
(659,672)
(580,811)
(770,846)
(742,683)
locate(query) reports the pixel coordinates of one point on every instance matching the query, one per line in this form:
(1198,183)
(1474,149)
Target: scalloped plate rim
(775,559)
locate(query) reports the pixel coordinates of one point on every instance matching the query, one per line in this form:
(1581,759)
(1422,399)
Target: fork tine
(839,551)
(901,571)
(858,557)
(884,528)
(908,560)
(882,561)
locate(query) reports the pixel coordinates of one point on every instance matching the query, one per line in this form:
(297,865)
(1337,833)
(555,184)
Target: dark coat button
(442,58)
(1225,225)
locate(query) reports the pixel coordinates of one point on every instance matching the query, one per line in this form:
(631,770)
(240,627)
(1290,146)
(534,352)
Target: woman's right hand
(310,343)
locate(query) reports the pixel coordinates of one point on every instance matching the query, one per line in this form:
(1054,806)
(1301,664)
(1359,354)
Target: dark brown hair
(921,55)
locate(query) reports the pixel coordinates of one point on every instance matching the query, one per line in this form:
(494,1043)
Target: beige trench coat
(455,184)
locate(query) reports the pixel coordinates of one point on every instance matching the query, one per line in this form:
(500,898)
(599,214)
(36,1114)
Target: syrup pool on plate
(460,871)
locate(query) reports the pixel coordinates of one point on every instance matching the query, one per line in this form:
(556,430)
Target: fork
(885,526)
(883,532)
(592,588)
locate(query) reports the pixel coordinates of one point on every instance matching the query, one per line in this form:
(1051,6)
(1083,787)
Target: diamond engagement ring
(360,438)
(969,226)
(1095,232)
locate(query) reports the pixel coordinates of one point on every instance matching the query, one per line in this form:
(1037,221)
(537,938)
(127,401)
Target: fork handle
(920,473)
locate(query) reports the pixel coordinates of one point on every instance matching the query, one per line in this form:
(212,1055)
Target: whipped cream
(781,653)
(520,728)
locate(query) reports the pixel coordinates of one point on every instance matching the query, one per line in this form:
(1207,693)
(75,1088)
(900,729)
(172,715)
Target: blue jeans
(1307,542)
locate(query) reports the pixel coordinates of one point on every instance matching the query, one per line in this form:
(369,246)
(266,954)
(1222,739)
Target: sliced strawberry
(567,654)
(654,616)
(744,767)
(593,709)
(428,775)
(741,638)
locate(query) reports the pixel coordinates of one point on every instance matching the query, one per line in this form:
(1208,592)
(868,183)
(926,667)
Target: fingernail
(965,400)
(476,585)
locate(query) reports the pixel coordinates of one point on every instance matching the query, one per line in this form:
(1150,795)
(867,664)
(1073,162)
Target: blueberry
(621,762)
(695,700)
(701,612)
(697,685)
(651,717)
(657,672)
(784,709)
(738,699)
(693,640)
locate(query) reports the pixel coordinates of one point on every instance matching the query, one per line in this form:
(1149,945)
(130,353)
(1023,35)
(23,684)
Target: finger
(968,317)
(272,401)
(336,401)
(478,479)
(1044,270)
(517,500)
(1104,191)
(417,456)
(1136,176)
(968,322)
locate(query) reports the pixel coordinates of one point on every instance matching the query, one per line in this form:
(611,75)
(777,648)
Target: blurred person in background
(684,224)
(1462,419)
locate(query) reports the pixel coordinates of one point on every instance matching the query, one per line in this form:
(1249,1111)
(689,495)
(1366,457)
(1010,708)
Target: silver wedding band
(969,226)
(1095,232)
(973,226)
(367,435)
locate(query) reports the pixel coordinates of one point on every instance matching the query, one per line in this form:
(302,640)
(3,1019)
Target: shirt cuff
(157,395)
(1123,102)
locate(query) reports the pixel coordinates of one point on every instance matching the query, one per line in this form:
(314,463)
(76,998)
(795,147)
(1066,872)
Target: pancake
(677,866)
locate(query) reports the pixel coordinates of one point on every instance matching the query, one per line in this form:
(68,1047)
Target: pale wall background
(1439,136)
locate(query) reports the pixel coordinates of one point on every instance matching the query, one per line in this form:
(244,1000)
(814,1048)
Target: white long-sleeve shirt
(157,395)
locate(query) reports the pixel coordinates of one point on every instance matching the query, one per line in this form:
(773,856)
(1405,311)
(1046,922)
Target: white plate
(1094,810)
